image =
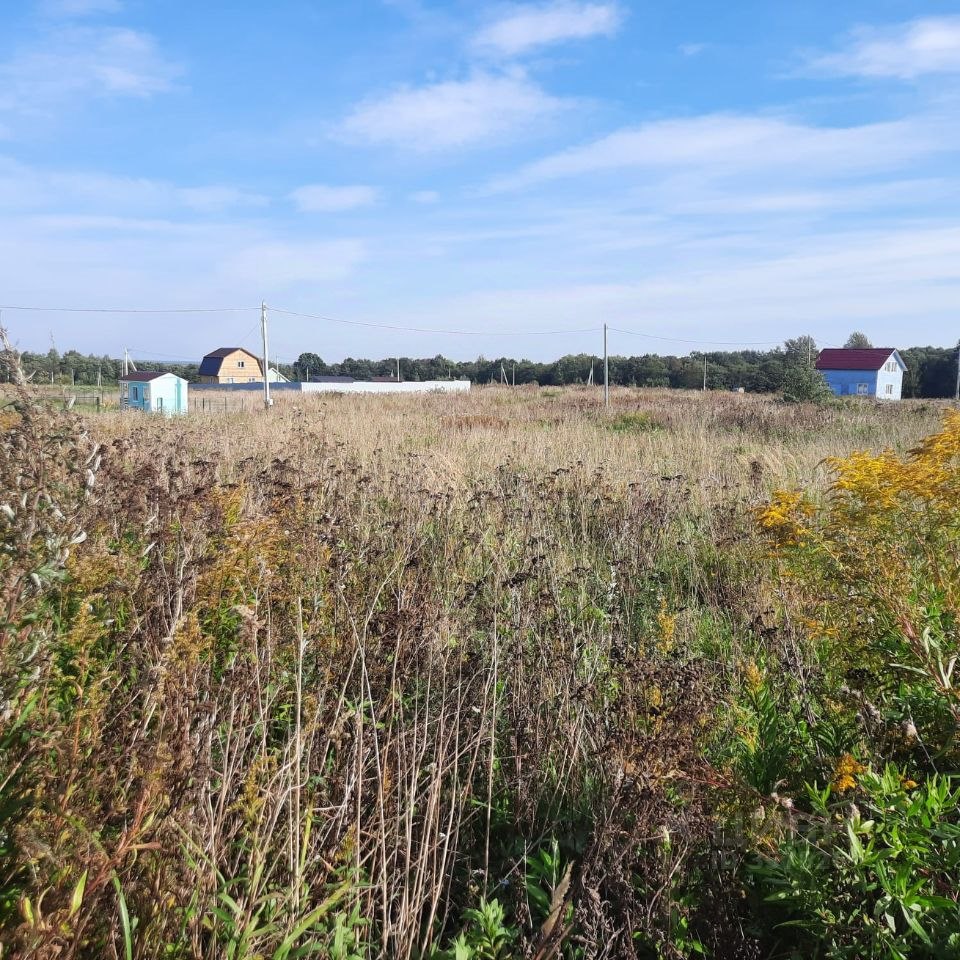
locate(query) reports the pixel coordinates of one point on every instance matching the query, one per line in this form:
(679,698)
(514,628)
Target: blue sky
(706,173)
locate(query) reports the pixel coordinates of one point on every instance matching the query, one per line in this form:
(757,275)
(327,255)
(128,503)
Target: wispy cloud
(320,198)
(524,28)
(928,45)
(442,116)
(24,188)
(731,144)
(78,63)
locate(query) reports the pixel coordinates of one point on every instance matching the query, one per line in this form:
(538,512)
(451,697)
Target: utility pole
(514,374)
(956,395)
(606,370)
(266,356)
(398,369)
(704,373)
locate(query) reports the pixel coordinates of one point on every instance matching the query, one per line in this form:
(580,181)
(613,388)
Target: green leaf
(77,897)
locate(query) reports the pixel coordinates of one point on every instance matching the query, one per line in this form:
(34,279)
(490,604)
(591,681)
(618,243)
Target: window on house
(862,389)
(241,364)
(889,389)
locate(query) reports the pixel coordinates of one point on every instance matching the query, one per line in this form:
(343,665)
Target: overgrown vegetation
(523,688)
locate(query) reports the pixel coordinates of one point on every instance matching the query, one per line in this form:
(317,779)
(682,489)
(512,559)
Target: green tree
(801,349)
(858,341)
(804,384)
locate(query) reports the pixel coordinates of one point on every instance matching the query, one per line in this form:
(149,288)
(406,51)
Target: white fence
(405,386)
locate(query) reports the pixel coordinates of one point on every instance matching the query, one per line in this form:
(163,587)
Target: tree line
(931,371)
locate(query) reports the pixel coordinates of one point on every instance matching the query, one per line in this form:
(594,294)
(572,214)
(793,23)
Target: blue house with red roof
(870,372)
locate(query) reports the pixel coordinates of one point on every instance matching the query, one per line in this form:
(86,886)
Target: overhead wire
(135,310)
(440,330)
(402,328)
(729,343)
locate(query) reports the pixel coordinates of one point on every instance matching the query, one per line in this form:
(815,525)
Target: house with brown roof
(231,365)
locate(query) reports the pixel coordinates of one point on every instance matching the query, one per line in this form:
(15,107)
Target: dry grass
(334,676)
(714,442)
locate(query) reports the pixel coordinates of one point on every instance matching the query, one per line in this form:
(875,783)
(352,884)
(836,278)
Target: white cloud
(319,198)
(443,116)
(525,28)
(692,49)
(731,144)
(24,188)
(900,280)
(928,45)
(425,196)
(127,262)
(83,62)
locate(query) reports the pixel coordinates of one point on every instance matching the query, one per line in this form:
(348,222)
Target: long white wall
(406,386)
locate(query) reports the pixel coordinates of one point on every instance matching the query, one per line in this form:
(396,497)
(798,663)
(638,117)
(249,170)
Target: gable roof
(211,363)
(145,376)
(872,358)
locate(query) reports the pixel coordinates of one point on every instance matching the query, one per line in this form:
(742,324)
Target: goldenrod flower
(845,773)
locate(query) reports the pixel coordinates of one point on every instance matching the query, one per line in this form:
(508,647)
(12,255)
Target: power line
(729,343)
(460,333)
(392,326)
(116,310)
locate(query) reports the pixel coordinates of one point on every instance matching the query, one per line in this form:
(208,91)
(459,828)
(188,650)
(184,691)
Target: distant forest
(931,371)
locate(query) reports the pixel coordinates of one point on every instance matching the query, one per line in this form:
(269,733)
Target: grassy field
(494,675)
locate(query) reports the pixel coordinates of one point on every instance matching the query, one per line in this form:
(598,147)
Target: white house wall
(895,379)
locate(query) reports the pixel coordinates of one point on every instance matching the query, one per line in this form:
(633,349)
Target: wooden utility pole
(398,369)
(704,373)
(266,356)
(606,370)
(956,395)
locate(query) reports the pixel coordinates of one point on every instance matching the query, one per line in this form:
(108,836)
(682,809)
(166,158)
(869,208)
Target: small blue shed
(154,392)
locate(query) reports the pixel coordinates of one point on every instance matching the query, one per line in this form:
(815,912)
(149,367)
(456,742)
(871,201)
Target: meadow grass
(500,674)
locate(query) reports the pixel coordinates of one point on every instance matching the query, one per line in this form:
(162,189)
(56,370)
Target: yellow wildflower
(782,518)
(845,773)
(667,624)
(753,677)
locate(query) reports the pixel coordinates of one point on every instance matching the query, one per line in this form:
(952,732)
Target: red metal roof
(848,359)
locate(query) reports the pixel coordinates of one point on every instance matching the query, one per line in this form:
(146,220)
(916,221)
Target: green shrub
(634,423)
(875,877)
